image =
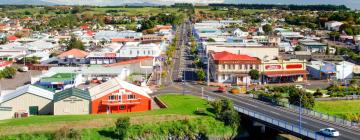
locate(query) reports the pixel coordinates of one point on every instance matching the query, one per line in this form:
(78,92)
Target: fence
(282,124)
(309,112)
(349,97)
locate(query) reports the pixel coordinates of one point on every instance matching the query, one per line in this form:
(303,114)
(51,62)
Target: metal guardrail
(313,113)
(282,124)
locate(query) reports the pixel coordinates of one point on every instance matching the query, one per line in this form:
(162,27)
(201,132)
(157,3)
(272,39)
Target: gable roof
(113,85)
(72,92)
(230,56)
(27,89)
(75,53)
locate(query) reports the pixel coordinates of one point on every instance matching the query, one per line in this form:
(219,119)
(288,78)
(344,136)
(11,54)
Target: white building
(251,49)
(135,49)
(333,25)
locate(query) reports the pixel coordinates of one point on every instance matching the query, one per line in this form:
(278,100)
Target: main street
(188,87)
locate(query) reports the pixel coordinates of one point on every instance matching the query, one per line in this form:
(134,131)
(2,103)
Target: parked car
(221,89)
(299,86)
(24,69)
(330,132)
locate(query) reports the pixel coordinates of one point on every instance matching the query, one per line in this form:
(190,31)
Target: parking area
(20,79)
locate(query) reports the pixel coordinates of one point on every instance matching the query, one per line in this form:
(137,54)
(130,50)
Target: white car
(330,132)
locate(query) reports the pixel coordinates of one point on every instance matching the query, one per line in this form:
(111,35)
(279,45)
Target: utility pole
(208,70)
(202,92)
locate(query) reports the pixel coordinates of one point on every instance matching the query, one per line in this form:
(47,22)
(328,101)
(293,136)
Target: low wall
(160,103)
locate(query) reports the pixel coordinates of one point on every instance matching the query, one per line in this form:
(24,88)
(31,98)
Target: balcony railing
(120,102)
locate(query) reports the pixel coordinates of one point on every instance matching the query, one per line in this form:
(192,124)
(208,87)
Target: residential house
(73,56)
(333,25)
(4,64)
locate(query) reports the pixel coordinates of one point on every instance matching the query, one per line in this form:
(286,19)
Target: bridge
(279,117)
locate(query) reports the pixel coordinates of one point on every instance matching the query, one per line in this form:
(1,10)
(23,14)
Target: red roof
(12,38)
(285,73)
(135,60)
(121,40)
(90,33)
(230,56)
(75,53)
(5,63)
(159,27)
(84,27)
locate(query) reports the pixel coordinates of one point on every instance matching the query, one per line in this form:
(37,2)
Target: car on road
(330,132)
(221,89)
(23,69)
(299,86)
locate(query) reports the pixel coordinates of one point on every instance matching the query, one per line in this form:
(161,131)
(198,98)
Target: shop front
(280,71)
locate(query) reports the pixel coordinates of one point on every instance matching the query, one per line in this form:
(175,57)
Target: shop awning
(285,73)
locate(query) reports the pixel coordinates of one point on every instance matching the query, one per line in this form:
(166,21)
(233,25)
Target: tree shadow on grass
(108,133)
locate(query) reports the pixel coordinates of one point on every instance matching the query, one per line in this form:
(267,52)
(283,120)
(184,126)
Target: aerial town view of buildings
(219,71)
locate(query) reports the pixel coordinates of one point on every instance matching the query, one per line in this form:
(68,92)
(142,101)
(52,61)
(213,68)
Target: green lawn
(339,108)
(180,105)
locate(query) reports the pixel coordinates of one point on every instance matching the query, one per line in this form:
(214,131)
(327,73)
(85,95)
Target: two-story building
(118,96)
(232,68)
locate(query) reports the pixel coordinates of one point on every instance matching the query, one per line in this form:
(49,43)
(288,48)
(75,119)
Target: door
(33,110)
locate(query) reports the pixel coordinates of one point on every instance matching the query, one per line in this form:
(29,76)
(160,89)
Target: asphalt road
(277,112)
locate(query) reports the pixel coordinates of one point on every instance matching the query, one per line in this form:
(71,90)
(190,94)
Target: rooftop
(229,56)
(74,53)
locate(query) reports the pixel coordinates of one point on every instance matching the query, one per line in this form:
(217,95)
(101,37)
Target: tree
(297,48)
(147,24)
(254,74)
(211,40)
(122,124)
(318,93)
(8,72)
(267,28)
(327,51)
(75,43)
(307,99)
(201,74)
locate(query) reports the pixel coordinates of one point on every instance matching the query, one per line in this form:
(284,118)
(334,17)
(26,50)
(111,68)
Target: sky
(354,4)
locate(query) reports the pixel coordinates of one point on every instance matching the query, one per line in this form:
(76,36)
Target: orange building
(118,96)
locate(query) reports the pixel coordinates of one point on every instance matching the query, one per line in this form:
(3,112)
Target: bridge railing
(310,112)
(282,124)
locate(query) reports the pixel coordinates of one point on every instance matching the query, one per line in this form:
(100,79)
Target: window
(131,96)
(137,52)
(251,67)
(119,97)
(223,66)
(112,97)
(148,51)
(130,52)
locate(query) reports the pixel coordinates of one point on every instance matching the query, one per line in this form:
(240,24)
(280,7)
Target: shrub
(67,134)
(122,124)
(318,93)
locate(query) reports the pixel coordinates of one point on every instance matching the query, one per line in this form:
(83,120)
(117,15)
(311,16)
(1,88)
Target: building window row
(239,66)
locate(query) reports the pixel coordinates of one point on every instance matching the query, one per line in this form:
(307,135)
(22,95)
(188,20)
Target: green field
(341,108)
(179,107)
(208,10)
(100,10)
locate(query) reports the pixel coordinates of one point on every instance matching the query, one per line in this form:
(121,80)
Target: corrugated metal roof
(113,85)
(72,92)
(28,89)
